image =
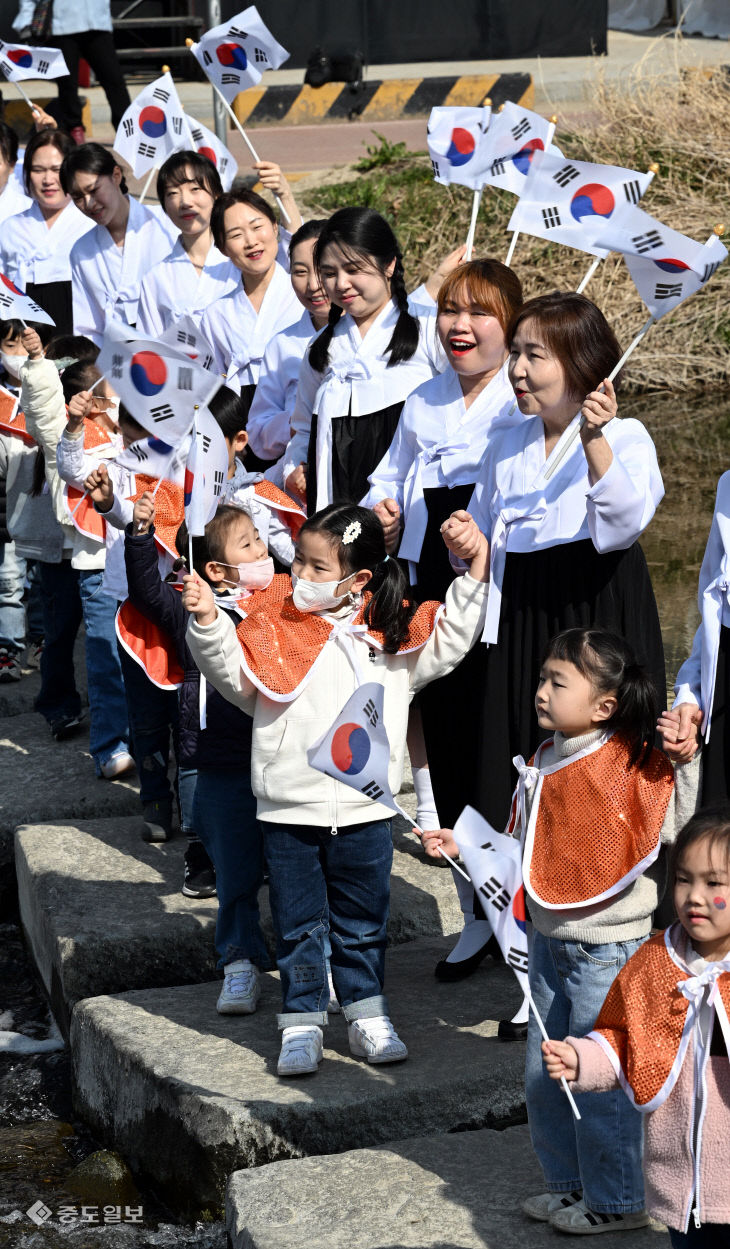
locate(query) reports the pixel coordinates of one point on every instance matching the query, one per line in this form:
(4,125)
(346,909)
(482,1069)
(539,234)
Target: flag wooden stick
(651,171)
(548,141)
(78,505)
(443,853)
(242,132)
(473,223)
(146,186)
(545,1037)
(22,93)
(98,382)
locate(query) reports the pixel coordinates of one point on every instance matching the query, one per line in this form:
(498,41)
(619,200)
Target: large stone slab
(461,1191)
(103,912)
(17,697)
(42,780)
(187,1095)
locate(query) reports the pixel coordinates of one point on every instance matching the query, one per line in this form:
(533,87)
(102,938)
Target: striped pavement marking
(378,99)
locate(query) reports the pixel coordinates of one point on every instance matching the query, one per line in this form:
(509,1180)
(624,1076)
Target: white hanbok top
(696,678)
(13,199)
(269,421)
(174,288)
(357,382)
(519,510)
(438,442)
(239,335)
(106,278)
(30,252)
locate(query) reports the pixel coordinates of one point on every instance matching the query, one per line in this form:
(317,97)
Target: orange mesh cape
(154,650)
(12,420)
(645,1024)
(595,824)
(169,509)
(291,515)
(281,646)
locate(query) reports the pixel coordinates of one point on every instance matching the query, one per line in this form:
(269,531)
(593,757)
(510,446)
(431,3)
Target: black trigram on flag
(205,439)
(372,790)
(163,412)
(239,34)
(520,128)
(517,959)
(197,135)
(495,892)
(177,125)
(5,301)
(551,218)
(128,125)
(259,55)
(436,170)
(496,168)
(632,191)
(160,94)
(207,57)
(647,242)
(708,271)
(137,451)
(207,362)
(666,290)
(566,175)
(117,365)
(230,80)
(184,378)
(217,483)
(187,339)
(370,712)
(146,149)
(43,67)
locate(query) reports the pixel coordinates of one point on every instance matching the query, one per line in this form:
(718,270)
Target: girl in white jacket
(328,845)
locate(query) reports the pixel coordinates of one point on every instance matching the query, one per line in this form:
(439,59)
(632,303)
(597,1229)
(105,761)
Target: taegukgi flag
(159,384)
(666,266)
(155,458)
(206,470)
(515,136)
(203,141)
(236,54)
(562,200)
(457,145)
(153,127)
(18,62)
(356,750)
(494,863)
(186,336)
(15,304)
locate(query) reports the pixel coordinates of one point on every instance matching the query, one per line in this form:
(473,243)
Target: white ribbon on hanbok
(332,401)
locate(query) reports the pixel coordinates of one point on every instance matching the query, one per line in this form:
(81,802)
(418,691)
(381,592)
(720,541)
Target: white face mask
(316,596)
(256,575)
(13,364)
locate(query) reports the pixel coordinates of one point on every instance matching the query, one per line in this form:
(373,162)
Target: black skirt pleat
(716,754)
(358,445)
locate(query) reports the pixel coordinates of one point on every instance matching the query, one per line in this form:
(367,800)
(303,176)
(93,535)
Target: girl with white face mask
(292,666)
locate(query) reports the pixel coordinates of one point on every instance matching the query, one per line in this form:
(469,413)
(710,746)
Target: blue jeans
(153,720)
(109,728)
(59,697)
(187,779)
(224,816)
(320,883)
(601,1152)
(12,610)
(708,1236)
(33,602)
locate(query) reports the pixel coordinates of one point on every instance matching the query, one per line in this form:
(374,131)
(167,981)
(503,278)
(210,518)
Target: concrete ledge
(187,1096)
(103,912)
(377,99)
(436,1192)
(41,780)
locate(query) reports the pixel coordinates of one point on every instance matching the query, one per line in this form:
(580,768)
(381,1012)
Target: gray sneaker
(241,989)
(10,669)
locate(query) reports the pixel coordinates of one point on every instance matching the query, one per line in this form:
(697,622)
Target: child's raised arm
(198,599)
(143,513)
(561,1059)
(100,489)
(466,541)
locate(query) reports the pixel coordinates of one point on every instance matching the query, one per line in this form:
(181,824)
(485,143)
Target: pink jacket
(668,1163)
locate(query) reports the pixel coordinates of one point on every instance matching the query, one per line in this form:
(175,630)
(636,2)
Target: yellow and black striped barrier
(377,99)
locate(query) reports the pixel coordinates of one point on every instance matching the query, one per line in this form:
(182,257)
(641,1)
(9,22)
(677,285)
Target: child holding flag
(328,846)
(592,808)
(662,1036)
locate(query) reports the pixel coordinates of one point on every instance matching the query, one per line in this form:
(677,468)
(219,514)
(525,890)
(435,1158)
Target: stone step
(187,1096)
(103,912)
(433,1192)
(43,780)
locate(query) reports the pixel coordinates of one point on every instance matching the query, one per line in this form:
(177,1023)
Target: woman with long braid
(379,344)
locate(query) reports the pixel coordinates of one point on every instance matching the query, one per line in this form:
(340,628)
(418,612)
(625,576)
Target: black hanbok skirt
(716,754)
(358,445)
(492,718)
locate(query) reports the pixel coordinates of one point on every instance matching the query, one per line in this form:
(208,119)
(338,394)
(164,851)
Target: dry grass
(679,122)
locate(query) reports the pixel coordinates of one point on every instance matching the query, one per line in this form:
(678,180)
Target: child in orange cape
(328,846)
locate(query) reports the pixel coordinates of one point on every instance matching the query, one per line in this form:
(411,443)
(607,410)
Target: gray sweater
(627,915)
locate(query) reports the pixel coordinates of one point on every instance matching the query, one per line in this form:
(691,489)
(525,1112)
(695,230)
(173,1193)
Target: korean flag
(236,54)
(18,62)
(356,750)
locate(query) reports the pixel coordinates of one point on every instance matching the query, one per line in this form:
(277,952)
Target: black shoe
(65,726)
(157,818)
(199,879)
(509,1031)
(459,971)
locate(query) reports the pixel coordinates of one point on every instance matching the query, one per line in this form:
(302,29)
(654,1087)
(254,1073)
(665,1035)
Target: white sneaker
(578,1220)
(241,989)
(542,1206)
(377,1040)
(117,764)
(301,1050)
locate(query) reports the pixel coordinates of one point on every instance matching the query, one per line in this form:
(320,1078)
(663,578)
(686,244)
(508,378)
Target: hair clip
(354,529)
